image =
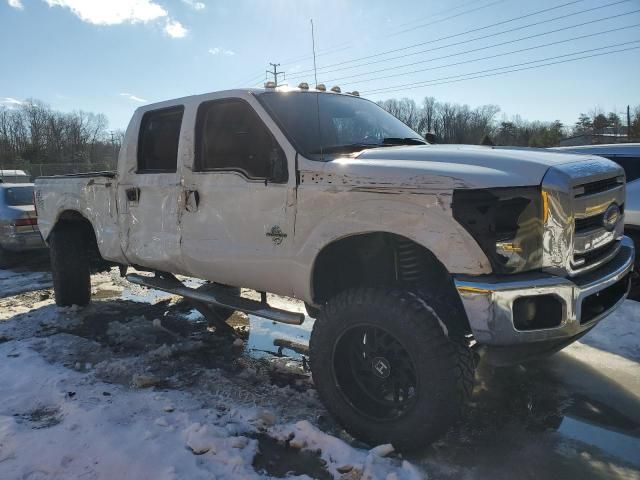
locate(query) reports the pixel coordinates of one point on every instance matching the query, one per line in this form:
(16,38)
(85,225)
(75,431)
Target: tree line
(33,133)
(447,122)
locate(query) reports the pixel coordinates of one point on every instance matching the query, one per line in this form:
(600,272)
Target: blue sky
(112,56)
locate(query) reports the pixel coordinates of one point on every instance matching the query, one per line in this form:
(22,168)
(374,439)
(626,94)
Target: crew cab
(407,254)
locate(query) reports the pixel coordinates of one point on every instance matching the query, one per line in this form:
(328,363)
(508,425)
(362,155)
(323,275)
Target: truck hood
(449,166)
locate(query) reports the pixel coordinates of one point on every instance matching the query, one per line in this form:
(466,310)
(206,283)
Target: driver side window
(231,136)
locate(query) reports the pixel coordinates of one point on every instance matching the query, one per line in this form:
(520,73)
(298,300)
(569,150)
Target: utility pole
(275,72)
(628,123)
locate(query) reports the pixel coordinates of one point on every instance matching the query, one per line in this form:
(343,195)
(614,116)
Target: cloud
(131,96)
(11,102)
(175,29)
(195,5)
(221,51)
(115,12)
(15,4)
(112,12)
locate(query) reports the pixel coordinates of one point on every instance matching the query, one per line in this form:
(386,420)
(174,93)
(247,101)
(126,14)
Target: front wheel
(385,368)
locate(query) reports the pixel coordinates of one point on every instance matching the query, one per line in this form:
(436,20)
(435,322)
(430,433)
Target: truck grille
(593,244)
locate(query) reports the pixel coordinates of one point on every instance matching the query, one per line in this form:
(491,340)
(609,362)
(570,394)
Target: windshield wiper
(351,147)
(403,141)
(386,142)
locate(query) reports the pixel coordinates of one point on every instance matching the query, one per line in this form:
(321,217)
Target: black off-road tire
(313,312)
(70,266)
(444,367)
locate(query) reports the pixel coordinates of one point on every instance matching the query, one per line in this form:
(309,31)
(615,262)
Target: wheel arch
(380,258)
(71,218)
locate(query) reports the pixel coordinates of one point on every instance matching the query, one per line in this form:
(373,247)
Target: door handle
(192,201)
(133,194)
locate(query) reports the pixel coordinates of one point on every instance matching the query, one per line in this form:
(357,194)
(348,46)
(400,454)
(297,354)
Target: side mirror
(278,171)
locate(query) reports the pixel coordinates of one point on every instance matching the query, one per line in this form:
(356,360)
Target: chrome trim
(561,243)
(489,302)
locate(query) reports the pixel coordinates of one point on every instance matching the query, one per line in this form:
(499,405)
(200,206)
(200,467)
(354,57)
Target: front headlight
(506,223)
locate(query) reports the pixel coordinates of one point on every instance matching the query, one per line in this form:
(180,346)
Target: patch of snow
(619,332)
(14,283)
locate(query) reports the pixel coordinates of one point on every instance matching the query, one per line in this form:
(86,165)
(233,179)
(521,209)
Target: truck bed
(105,173)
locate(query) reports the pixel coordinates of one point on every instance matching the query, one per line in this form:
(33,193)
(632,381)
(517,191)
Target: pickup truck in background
(408,255)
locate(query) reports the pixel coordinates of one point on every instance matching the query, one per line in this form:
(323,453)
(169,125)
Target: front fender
(424,218)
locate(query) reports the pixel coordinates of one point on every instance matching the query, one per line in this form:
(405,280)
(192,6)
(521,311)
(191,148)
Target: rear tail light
(23,222)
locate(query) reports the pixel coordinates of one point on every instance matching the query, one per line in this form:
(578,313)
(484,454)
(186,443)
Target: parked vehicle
(18,223)
(627,155)
(14,176)
(407,254)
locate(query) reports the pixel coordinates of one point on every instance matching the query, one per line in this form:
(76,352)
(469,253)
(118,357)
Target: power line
(460,34)
(505,21)
(474,59)
(347,45)
(507,42)
(439,12)
(449,79)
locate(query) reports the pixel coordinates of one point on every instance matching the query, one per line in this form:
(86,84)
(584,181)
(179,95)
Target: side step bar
(219,299)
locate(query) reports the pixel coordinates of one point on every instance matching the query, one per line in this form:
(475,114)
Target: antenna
(313,44)
(315,75)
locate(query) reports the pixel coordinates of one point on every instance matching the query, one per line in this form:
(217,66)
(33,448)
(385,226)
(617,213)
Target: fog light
(537,312)
(524,311)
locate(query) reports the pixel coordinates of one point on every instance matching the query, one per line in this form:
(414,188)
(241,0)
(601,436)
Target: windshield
(319,123)
(17,196)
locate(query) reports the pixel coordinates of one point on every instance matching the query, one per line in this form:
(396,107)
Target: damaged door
(149,193)
(239,199)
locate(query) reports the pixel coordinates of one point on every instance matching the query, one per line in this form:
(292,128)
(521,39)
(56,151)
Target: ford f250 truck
(407,254)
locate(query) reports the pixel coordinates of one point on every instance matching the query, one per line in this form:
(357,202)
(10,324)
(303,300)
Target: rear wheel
(70,266)
(385,368)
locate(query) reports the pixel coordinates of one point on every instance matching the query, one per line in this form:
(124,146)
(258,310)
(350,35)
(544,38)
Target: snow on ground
(136,386)
(127,389)
(13,282)
(618,333)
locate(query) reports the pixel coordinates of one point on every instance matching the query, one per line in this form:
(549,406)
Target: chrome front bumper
(488,300)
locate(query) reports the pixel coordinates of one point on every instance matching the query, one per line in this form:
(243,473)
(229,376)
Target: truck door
(149,192)
(237,226)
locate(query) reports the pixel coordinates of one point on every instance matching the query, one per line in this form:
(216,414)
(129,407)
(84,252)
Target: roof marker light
(270,84)
(336,89)
(303,86)
(321,87)
(355,93)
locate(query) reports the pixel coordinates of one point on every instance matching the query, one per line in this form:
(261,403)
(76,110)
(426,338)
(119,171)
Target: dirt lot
(137,386)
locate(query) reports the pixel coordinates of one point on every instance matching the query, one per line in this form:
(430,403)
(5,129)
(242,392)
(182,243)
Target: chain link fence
(46,169)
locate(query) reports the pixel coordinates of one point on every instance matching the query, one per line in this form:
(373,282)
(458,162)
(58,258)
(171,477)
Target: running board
(219,299)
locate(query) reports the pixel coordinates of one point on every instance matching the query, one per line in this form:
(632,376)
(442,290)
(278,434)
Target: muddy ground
(573,415)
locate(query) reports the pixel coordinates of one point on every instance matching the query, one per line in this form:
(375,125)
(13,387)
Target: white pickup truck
(407,254)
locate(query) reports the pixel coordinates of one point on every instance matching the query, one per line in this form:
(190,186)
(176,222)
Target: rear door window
(159,139)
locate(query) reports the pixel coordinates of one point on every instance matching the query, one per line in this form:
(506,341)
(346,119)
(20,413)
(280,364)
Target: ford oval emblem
(611,217)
